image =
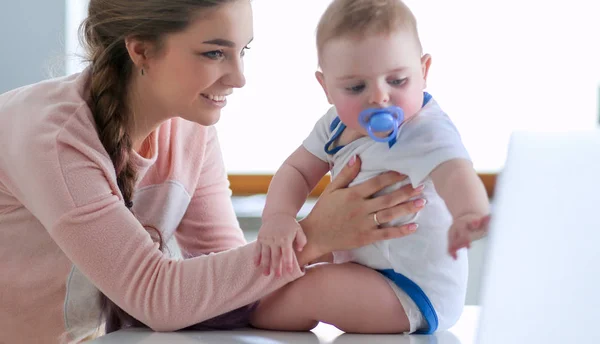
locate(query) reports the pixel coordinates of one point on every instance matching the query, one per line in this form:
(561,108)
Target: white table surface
(462,333)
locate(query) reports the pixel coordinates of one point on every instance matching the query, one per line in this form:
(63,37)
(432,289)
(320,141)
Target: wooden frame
(252,184)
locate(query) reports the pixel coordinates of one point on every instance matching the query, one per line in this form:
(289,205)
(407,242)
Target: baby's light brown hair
(360,18)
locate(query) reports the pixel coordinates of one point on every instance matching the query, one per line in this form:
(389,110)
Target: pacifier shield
(381,120)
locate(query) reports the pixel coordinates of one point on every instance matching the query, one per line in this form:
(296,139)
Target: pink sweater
(65,232)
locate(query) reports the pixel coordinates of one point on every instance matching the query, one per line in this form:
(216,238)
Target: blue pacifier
(382,120)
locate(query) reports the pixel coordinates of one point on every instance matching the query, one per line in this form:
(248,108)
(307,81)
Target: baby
(374,74)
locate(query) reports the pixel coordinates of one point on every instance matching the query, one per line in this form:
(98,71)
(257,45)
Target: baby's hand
(274,251)
(465,230)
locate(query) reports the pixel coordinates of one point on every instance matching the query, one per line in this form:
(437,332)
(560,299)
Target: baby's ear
(321,78)
(425,64)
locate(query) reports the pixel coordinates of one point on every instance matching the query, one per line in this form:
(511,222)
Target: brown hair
(103,34)
(357,18)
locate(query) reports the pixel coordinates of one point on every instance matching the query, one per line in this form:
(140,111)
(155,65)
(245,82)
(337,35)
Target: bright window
(497,67)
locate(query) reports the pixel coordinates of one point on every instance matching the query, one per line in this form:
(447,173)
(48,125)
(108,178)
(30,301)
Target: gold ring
(375,219)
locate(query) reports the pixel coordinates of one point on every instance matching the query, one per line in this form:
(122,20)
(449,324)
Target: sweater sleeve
(209,224)
(68,183)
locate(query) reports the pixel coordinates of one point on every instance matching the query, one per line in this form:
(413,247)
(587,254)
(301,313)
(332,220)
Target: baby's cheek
(349,115)
(351,121)
(411,107)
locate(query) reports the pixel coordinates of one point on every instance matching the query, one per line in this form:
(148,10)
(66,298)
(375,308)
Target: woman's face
(199,67)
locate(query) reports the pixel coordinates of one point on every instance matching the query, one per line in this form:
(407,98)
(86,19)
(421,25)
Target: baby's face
(375,71)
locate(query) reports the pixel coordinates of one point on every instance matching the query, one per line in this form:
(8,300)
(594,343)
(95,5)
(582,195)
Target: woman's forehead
(231,21)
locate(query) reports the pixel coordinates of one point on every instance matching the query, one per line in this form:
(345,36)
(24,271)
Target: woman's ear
(139,51)
(321,79)
(425,64)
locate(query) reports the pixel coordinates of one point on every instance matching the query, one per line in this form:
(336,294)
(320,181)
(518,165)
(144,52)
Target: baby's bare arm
(292,183)
(460,187)
(466,199)
(288,190)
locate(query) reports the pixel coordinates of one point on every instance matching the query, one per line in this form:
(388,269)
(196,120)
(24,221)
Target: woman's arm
(110,247)
(66,182)
(210,224)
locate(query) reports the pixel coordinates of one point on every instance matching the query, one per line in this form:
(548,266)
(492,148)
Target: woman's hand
(348,217)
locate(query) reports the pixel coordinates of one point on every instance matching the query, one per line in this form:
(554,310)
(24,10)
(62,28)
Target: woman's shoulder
(45,106)
(55,93)
(38,118)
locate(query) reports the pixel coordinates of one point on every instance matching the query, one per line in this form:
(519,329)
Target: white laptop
(541,279)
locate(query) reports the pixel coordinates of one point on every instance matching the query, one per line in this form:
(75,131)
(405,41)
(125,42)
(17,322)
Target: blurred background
(498,66)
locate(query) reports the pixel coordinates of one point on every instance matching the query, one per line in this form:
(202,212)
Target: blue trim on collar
(392,142)
(335,136)
(335,123)
(426,98)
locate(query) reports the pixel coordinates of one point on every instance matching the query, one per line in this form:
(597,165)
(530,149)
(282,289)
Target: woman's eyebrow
(224,42)
(221,42)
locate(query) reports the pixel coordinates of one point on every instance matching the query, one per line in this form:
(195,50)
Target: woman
(100,169)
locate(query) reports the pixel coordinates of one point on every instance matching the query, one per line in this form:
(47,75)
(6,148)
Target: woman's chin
(212,118)
(205,118)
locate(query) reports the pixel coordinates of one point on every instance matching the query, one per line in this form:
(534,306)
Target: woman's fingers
(388,233)
(396,204)
(346,175)
(395,197)
(377,183)
(403,209)
(346,218)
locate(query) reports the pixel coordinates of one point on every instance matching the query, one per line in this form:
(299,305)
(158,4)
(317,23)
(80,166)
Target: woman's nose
(235,78)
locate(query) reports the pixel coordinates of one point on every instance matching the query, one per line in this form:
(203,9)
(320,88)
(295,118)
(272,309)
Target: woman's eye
(214,55)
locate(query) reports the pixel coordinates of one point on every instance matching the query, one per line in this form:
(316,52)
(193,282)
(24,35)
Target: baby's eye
(355,89)
(397,82)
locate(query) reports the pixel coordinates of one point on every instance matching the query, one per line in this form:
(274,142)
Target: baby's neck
(348,136)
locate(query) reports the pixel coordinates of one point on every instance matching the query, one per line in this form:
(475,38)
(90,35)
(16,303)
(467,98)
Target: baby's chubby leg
(352,297)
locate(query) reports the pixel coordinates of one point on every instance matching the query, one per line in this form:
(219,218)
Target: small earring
(142,71)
